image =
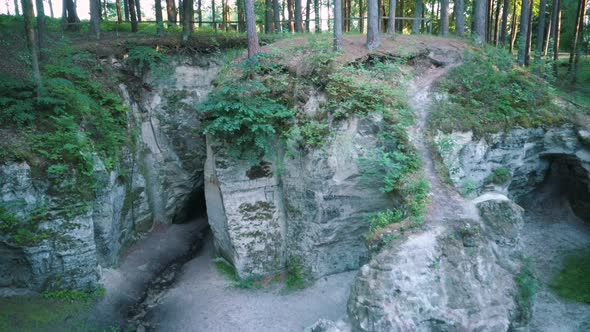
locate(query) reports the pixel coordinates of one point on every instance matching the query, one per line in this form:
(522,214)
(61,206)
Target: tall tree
(268,13)
(460,17)
(556,33)
(504,27)
(529,35)
(187,19)
(307,15)
(276,9)
(241,17)
(159,18)
(444,18)
(513,27)
(480,21)
(523,31)
(578,36)
(290,15)
(126,9)
(71,16)
(391,22)
(16,11)
(170,10)
(417,17)
(298,17)
(497,23)
(120,14)
(94,19)
(316,13)
(31,44)
(41,28)
(138,10)
(133,16)
(337,25)
(372,25)
(213,16)
(253,46)
(361,16)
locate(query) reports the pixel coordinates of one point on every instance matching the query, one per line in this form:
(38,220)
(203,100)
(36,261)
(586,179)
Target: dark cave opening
(193,208)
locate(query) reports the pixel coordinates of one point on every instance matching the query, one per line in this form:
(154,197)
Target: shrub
(499,176)
(295,278)
(382,219)
(527,286)
(145,58)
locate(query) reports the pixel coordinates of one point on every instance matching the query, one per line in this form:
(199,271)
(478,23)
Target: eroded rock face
(526,153)
(456,276)
(155,182)
(313,208)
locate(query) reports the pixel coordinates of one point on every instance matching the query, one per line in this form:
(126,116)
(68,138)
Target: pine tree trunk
(16,11)
(41,29)
(187,18)
(276,16)
(547,37)
(460,17)
(298,18)
(579,37)
(307,15)
(391,22)
(94,19)
(253,46)
(522,38)
(241,17)
(444,18)
(497,23)
(417,16)
(170,10)
(316,12)
(400,26)
(480,21)
(503,29)
(159,18)
(372,25)
(361,18)
(556,32)
(120,14)
(337,25)
(268,26)
(126,9)
(529,36)
(290,15)
(72,16)
(31,44)
(138,10)
(513,28)
(133,16)
(541,27)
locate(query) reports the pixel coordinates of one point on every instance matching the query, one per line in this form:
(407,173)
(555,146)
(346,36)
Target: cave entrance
(194,207)
(557,225)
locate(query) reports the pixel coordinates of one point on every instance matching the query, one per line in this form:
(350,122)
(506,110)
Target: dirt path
(445,201)
(552,231)
(202,299)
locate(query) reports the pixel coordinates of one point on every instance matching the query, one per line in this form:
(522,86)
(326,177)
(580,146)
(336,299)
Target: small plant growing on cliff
(295,278)
(499,176)
(145,58)
(527,286)
(384,218)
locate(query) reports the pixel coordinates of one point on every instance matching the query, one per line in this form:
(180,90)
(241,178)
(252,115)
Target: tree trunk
(529,36)
(187,18)
(94,19)
(522,38)
(276,11)
(268,26)
(578,38)
(316,13)
(547,37)
(372,25)
(159,18)
(307,15)
(241,17)
(138,10)
(556,33)
(361,18)
(290,17)
(337,25)
(41,29)
(541,27)
(489,20)
(504,26)
(16,10)
(391,22)
(120,15)
(170,10)
(133,16)
(72,16)
(480,21)
(444,18)
(400,23)
(298,18)
(126,9)
(31,44)
(513,28)
(253,46)
(105,10)
(329,18)
(497,23)
(460,17)
(50,2)
(417,16)
(213,18)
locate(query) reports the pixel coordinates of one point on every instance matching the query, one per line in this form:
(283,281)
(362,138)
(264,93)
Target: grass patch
(499,176)
(527,286)
(573,281)
(488,93)
(295,277)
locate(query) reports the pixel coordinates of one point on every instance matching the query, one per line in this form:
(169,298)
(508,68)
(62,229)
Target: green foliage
(246,114)
(572,282)
(24,232)
(73,295)
(488,93)
(468,188)
(390,166)
(527,288)
(295,277)
(382,219)
(146,58)
(499,176)
(226,269)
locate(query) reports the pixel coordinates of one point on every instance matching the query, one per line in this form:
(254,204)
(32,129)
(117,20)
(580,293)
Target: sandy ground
(552,231)
(204,300)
